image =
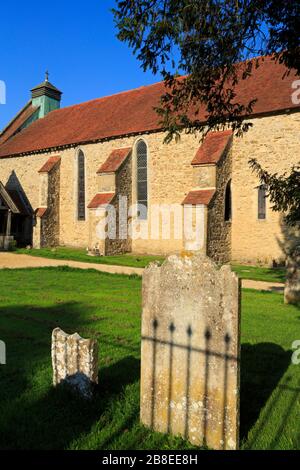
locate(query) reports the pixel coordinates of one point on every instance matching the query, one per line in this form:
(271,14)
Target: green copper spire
(46,97)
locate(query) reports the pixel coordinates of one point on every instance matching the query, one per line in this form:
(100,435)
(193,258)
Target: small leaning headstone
(74,361)
(190,360)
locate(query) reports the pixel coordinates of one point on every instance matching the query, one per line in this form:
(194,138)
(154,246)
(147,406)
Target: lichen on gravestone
(190,361)
(74,362)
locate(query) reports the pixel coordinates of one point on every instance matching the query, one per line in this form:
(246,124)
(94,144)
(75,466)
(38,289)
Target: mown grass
(270,382)
(79,254)
(33,415)
(256,273)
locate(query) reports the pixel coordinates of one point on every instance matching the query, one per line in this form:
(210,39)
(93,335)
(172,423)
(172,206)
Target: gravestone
(191,351)
(74,361)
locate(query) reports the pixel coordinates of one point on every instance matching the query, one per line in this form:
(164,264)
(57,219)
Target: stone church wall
(274,141)
(51,221)
(124,188)
(170,177)
(219,230)
(25,170)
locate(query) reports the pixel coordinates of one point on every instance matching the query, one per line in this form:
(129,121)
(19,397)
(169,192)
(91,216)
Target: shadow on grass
(279,274)
(262,367)
(277,289)
(60,416)
(33,414)
(113,378)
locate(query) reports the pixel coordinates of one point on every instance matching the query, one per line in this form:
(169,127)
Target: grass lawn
(78,254)
(140,261)
(107,307)
(258,273)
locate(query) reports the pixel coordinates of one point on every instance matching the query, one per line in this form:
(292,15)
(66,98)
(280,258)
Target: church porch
(15,221)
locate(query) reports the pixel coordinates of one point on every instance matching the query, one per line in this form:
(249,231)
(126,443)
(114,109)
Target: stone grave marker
(191,351)
(74,361)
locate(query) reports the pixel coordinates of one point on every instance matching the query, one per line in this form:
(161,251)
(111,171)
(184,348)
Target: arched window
(80,185)
(142,178)
(227,212)
(261,203)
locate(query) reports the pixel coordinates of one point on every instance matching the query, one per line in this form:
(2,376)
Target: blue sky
(75,41)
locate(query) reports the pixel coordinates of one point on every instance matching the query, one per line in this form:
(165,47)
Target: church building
(63,170)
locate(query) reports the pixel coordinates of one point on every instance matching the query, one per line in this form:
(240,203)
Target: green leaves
(205,40)
(283,190)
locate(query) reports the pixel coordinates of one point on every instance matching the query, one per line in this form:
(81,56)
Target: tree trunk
(292,251)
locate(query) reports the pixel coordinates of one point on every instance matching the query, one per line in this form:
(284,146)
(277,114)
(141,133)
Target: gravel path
(13,261)
(263,285)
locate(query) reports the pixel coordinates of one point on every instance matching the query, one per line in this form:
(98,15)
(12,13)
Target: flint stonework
(191,351)
(74,361)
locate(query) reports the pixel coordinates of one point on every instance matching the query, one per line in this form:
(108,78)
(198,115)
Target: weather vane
(47,76)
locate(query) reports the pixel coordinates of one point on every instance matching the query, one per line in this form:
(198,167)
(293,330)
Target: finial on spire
(46,76)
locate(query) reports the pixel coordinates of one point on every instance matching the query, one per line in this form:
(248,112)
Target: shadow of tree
(262,367)
(31,410)
(33,414)
(113,379)
(64,415)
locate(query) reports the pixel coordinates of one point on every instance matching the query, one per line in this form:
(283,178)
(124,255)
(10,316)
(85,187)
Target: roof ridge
(15,117)
(133,112)
(102,98)
(142,87)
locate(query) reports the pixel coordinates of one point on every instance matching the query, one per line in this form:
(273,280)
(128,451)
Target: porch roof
(12,200)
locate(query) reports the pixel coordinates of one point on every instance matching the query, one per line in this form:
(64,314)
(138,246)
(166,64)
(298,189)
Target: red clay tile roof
(132,112)
(41,211)
(115,160)
(213,147)
(17,122)
(201,196)
(50,164)
(101,199)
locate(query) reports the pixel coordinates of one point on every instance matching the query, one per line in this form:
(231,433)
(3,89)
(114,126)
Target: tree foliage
(207,42)
(283,190)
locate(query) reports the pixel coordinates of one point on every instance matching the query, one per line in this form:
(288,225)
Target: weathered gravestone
(191,350)
(74,361)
